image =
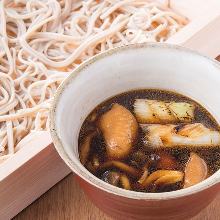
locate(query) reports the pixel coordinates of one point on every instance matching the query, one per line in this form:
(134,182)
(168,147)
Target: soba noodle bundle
(41,41)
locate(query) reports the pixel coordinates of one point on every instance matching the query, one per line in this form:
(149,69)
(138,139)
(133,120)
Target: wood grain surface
(66,201)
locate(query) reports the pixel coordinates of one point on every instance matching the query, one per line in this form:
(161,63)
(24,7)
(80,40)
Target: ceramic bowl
(122,69)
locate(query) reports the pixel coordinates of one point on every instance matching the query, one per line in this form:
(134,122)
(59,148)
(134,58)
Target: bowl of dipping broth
(139,126)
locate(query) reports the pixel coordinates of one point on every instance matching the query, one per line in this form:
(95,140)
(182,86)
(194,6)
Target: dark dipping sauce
(144,158)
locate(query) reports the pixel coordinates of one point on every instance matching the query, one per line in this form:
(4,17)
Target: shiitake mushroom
(111,177)
(116,179)
(84,149)
(121,166)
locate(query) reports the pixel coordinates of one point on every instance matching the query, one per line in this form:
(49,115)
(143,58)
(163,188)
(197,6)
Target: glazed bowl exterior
(154,65)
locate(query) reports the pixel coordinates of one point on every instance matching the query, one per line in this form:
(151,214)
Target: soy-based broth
(152,161)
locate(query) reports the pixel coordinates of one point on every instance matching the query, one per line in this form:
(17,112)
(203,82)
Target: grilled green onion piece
(154,111)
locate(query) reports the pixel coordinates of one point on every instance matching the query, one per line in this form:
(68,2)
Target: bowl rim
(81,171)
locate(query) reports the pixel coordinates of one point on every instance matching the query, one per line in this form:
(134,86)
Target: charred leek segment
(163,177)
(196,170)
(119,128)
(85,148)
(180,135)
(154,111)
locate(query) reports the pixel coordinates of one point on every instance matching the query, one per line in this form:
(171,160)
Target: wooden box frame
(37,166)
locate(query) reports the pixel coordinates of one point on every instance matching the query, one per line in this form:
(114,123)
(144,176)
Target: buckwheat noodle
(42,41)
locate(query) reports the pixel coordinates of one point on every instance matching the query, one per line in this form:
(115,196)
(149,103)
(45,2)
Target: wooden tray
(37,167)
